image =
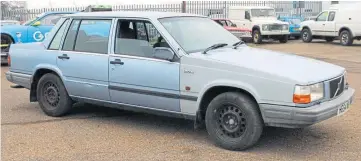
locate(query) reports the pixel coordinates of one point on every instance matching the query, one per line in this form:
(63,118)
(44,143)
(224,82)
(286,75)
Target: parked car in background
(200,71)
(338,22)
(36,29)
(261,20)
(242,33)
(9,22)
(294,25)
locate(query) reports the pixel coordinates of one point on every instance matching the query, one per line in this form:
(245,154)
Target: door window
(331,16)
(55,44)
(91,36)
(322,17)
(138,41)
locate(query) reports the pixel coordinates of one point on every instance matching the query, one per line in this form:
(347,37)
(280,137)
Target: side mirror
(234,25)
(37,23)
(163,53)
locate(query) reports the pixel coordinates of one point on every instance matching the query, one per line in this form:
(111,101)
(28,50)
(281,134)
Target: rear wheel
(306,35)
(52,96)
(257,37)
(233,121)
(346,38)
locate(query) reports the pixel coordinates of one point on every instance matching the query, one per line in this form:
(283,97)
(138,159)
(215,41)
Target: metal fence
(218,9)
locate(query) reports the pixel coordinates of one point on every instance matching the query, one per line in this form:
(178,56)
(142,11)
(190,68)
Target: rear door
(83,59)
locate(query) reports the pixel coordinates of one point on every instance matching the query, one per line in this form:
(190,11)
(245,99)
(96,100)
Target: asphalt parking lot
(99,133)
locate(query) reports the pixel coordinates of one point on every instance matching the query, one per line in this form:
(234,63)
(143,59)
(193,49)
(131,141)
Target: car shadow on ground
(272,139)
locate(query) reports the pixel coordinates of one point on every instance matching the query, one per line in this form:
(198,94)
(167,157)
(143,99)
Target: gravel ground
(98,133)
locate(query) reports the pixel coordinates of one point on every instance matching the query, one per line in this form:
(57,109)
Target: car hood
(300,69)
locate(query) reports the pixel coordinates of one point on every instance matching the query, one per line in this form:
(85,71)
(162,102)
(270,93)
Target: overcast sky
(69,3)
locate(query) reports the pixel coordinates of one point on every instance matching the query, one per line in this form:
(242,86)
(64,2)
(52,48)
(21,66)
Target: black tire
(283,39)
(52,96)
(297,37)
(306,35)
(244,126)
(256,37)
(329,39)
(346,38)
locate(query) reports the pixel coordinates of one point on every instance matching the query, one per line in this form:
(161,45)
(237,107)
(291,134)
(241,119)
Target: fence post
(184,10)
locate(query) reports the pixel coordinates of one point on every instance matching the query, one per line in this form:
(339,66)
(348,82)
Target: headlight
(307,94)
(265,27)
(285,27)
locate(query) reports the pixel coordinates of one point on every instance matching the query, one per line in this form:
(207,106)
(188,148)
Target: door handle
(64,56)
(323,24)
(116,61)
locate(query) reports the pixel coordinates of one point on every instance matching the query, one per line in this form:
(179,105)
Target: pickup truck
(177,69)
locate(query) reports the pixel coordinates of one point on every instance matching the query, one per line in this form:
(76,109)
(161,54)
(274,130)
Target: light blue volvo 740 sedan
(179,65)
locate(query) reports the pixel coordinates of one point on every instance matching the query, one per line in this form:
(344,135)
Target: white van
(338,22)
(262,20)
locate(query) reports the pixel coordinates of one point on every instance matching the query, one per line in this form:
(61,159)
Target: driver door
(135,76)
(319,26)
(37,33)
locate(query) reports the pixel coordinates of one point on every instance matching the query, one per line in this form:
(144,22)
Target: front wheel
(233,121)
(306,35)
(52,96)
(346,38)
(257,37)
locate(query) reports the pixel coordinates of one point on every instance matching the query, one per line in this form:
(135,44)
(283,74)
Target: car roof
(134,14)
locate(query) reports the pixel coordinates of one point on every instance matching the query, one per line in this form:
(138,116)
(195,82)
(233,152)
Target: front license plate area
(343,108)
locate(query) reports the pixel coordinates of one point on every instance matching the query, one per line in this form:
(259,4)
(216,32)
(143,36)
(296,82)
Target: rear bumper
(293,117)
(4,58)
(19,78)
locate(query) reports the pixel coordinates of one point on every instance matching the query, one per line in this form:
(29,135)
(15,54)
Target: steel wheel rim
(305,35)
(231,121)
(51,94)
(255,37)
(344,38)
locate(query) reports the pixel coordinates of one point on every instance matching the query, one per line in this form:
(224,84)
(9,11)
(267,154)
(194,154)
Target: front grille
(275,27)
(337,86)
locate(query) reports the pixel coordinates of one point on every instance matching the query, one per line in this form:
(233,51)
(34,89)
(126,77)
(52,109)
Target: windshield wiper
(238,44)
(215,46)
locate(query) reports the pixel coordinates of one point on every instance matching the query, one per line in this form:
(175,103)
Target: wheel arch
(256,27)
(214,89)
(7,34)
(306,27)
(345,28)
(38,73)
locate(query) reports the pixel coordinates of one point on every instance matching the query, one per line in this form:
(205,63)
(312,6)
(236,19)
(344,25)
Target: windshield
(262,12)
(33,19)
(195,34)
(295,21)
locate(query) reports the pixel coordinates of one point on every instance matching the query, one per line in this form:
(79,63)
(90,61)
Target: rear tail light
(9,60)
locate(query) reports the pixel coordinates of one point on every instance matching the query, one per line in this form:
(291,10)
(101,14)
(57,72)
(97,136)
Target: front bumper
(19,78)
(294,117)
(275,32)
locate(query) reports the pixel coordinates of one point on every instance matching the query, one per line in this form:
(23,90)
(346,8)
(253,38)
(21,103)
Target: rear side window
(55,44)
(93,36)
